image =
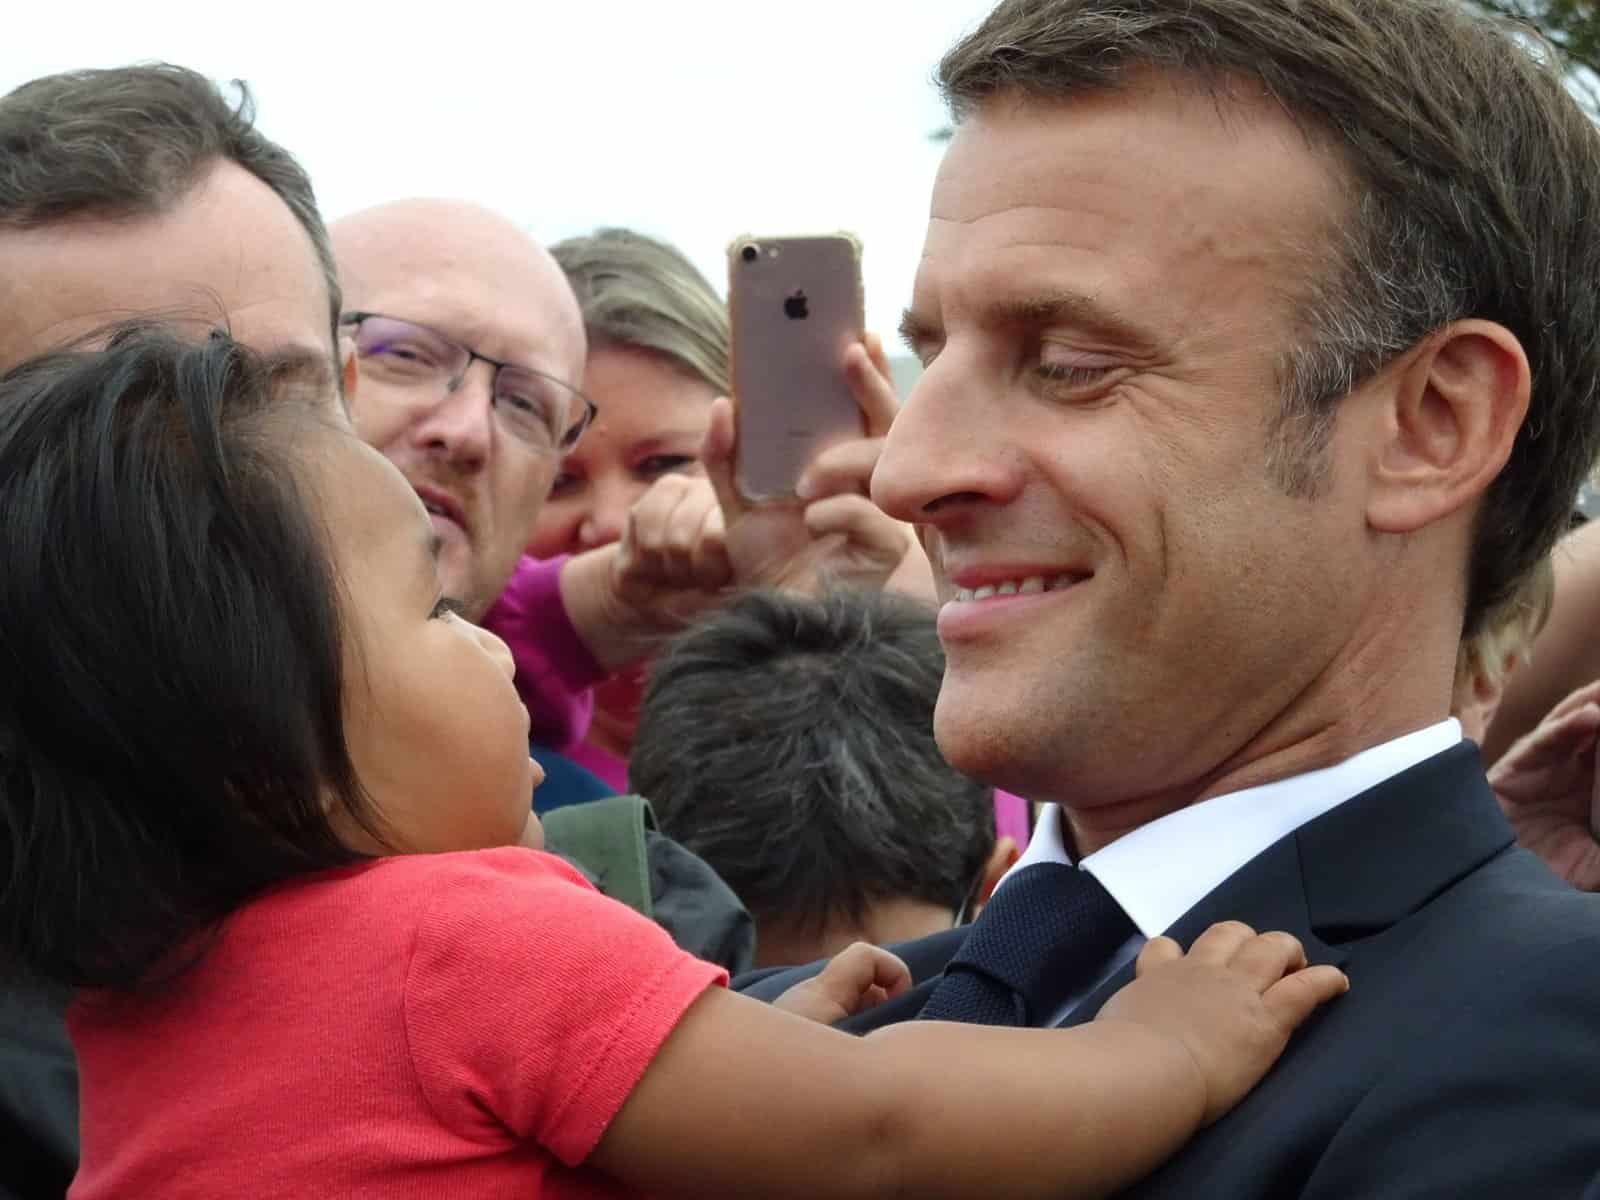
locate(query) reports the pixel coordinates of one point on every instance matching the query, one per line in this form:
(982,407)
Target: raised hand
(831,530)
(1546,787)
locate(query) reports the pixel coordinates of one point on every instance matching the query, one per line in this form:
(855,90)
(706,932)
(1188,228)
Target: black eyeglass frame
(575,431)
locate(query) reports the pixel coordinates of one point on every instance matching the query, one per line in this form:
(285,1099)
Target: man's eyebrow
(1032,312)
(1067,308)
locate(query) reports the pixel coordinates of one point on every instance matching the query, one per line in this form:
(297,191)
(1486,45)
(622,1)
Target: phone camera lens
(749,253)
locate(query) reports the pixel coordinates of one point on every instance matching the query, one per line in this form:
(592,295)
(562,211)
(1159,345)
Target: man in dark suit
(1260,365)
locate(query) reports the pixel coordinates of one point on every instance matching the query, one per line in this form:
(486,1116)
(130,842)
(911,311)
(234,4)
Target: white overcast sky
(695,120)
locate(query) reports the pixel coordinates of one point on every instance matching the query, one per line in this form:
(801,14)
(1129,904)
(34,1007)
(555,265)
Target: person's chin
(532,834)
(975,730)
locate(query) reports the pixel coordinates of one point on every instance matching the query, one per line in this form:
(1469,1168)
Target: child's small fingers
(889,972)
(1218,944)
(1296,996)
(862,965)
(1157,950)
(1268,957)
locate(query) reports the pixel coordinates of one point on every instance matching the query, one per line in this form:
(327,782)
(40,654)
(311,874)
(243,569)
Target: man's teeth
(1031,586)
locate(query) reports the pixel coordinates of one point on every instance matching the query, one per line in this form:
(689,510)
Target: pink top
(1011,818)
(556,673)
(603,764)
(422,1026)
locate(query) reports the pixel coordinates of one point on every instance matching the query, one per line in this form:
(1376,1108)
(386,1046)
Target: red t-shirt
(423,1026)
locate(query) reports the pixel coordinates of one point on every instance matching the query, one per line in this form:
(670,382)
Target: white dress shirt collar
(1161,870)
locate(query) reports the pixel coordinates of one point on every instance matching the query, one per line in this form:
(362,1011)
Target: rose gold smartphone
(795,306)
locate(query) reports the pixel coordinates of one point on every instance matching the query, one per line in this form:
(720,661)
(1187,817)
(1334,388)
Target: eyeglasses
(531,406)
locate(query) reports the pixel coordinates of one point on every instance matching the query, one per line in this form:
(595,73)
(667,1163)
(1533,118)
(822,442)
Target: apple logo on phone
(797,307)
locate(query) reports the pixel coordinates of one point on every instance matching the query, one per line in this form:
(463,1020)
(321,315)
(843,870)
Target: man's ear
(1449,420)
(1001,859)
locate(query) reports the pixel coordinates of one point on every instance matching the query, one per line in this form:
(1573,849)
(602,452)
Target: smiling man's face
(1130,595)
(480,281)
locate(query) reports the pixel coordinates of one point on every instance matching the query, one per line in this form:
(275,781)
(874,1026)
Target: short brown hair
(1473,191)
(132,141)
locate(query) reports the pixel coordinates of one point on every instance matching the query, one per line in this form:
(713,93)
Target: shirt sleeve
(556,673)
(534,1004)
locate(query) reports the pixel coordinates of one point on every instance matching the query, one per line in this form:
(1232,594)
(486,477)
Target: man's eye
(563,483)
(1071,374)
(403,354)
(521,402)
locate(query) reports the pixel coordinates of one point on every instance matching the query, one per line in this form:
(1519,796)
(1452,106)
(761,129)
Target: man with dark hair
(146,191)
(1260,368)
(788,741)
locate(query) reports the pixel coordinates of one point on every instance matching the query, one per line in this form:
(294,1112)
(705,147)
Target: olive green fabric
(607,837)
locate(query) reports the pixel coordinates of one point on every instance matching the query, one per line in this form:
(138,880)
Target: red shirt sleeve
(534,1004)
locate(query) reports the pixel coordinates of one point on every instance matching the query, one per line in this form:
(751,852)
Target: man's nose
(459,423)
(945,452)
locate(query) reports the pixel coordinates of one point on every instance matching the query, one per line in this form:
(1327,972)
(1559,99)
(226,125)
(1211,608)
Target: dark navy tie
(1044,935)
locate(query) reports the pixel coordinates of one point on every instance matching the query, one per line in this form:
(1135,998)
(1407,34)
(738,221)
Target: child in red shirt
(266,801)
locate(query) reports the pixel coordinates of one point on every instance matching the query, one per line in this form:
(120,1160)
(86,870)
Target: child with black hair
(264,800)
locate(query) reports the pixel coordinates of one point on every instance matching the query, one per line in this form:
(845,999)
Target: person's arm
(743,1098)
(1566,655)
(626,598)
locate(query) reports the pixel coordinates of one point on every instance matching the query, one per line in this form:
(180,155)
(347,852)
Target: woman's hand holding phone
(832,529)
(691,538)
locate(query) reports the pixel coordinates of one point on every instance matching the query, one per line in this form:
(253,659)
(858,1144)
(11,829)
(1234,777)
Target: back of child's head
(788,741)
(170,654)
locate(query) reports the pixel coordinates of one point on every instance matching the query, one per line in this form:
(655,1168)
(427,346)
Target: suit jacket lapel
(1357,869)
(1266,893)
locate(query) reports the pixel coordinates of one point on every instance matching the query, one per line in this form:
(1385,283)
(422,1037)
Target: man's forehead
(477,278)
(1027,190)
(191,266)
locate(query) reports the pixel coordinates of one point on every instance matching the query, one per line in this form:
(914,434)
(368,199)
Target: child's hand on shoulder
(857,978)
(1231,1002)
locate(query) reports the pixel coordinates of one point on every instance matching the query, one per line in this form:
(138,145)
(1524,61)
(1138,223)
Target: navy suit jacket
(1465,1060)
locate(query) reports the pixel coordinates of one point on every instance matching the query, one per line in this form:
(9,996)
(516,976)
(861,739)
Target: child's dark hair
(170,655)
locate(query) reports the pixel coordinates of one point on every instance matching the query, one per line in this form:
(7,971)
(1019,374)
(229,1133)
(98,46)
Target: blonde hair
(1509,629)
(638,292)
